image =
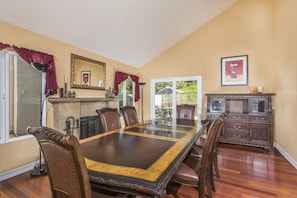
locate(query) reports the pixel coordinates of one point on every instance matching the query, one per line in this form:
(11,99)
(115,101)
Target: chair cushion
(186,173)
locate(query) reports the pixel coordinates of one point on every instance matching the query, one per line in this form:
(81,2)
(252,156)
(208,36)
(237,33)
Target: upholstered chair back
(130,115)
(186,111)
(66,166)
(109,118)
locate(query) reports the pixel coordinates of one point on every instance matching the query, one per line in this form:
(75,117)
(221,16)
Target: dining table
(139,159)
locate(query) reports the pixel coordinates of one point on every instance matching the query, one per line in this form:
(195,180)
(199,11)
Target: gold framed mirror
(87,73)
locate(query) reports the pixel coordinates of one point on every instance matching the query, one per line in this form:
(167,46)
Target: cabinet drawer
(236,126)
(262,119)
(213,116)
(239,117)
(242,134)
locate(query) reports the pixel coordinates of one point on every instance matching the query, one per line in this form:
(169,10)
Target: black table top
(139,158)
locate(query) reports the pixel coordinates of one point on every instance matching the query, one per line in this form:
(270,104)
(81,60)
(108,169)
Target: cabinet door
(260,133)
(258,105)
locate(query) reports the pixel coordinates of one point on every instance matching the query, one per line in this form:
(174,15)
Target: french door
(167,93)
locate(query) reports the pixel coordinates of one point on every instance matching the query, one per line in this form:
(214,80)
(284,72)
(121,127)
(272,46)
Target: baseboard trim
(17,171)
(286,155)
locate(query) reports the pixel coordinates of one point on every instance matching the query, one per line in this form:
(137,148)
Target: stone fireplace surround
(77,108)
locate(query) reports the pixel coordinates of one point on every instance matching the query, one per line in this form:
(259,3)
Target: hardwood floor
(245,172)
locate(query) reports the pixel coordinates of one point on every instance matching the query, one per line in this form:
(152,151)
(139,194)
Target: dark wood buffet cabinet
(249,118)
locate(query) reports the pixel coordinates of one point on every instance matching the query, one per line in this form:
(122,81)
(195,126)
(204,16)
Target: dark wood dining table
(139,159)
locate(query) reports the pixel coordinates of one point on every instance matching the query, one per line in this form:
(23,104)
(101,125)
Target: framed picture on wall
(234,70)
(85,78)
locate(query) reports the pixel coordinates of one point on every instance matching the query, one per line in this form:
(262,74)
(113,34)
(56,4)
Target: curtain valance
(120,77)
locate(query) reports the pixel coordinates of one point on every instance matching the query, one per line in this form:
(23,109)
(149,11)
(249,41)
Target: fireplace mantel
(77,108)
(54,100)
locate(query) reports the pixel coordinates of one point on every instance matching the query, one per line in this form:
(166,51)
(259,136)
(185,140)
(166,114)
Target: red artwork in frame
(234,70)
(85,78)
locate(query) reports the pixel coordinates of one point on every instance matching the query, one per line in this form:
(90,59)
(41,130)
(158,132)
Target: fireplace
(89,126)
(82,109)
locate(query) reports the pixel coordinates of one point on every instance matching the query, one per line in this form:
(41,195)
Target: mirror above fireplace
(87,73)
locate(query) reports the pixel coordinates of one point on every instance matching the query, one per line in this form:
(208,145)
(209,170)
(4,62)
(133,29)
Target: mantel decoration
(87,73)
(85,78)
(234,70)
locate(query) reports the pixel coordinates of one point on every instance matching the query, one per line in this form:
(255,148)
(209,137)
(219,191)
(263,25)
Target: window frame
(4,98)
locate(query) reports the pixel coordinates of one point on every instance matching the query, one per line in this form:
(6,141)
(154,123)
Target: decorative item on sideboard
(259,90)
(109,93)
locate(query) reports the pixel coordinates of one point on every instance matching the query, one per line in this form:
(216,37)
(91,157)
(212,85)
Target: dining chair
(198,149)
(196,170)
(130,115)
(185,111)
(109,118)
(65,163)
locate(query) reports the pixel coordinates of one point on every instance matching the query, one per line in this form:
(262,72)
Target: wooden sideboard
(249,118)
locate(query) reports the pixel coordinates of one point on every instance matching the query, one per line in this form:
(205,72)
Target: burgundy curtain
(120,77)
(135,79)
(3,46)
(34,56)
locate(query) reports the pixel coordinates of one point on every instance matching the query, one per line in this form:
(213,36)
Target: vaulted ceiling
(132,32)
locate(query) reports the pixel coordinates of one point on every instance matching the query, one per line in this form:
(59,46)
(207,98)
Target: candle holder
(65,90)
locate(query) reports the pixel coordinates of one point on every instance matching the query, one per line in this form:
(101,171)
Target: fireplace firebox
(89,126)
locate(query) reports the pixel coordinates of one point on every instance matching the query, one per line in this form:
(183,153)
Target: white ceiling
(132,32)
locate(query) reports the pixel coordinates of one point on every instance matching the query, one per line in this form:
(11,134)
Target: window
(20,96)
(167,93)
(126,93)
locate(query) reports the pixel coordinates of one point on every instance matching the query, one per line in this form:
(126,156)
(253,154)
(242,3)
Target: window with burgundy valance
(120,77)
(35,56)
(21,85)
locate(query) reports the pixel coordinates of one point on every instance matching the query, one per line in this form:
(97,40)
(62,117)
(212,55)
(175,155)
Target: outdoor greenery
(186,93)
(186,87)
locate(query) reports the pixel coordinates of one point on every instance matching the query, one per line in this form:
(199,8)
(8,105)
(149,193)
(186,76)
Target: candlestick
(65,90)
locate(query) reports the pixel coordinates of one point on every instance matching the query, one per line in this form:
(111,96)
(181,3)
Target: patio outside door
(167,93)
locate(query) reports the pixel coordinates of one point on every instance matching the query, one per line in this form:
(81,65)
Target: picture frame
(234,70)
(97,69)
(85,78)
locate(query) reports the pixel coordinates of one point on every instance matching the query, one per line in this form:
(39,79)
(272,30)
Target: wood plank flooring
(246,172)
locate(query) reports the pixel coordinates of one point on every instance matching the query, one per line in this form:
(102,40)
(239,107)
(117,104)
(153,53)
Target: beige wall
(244,29)
(20,153)
(265,30)
(286,75)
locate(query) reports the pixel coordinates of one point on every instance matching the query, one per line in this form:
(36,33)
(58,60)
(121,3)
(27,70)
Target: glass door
(167,93)
(163,99)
